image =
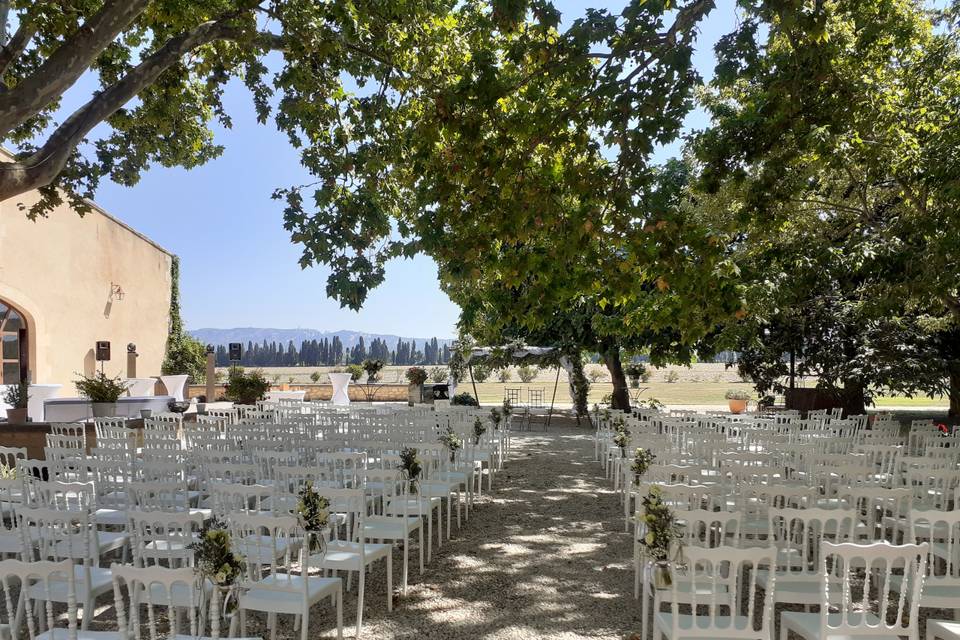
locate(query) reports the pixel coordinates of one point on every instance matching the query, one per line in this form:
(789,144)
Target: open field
(700,384)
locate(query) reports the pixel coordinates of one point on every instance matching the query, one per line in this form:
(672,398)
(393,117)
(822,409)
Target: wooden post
(211,373)
(473,382)
(131,360)
(552,400)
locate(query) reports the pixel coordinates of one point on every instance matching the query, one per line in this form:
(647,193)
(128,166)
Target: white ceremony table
(174,385)
(340,382)
(140,387)
(38,394)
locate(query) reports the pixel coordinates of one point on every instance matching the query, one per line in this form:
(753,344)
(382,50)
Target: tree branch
(47,162)
(12,49)
(66,64)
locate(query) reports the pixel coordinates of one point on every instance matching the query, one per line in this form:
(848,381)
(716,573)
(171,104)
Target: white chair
(796,536)
(65,535)
(48,580)
(397,524)
(722,594)
(269,542)
(164,587)
(845,614)
(349,553)
(941,529)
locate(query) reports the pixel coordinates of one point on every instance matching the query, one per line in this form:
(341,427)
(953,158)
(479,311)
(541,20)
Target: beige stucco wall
(58,272)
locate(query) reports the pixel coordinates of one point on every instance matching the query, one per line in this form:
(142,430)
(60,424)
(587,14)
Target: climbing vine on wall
(185,354)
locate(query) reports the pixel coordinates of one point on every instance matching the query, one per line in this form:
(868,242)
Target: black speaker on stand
(102,352)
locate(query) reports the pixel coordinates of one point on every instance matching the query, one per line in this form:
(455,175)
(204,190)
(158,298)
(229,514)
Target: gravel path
(544,557)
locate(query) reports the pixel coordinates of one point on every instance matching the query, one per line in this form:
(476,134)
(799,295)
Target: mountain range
(283,336)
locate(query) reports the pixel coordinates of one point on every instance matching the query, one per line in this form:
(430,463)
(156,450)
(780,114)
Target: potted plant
(737,400)
(17,396)
(416,376)
(102,391)
(246,388)
(635,371)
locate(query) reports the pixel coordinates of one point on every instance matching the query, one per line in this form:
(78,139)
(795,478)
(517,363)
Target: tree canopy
(834,151)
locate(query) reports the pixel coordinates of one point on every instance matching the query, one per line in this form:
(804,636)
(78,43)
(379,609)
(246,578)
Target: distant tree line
(330,352)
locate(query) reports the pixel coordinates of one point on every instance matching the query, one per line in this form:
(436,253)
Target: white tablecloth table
(340,382)
(38,394)
(174,385)
(141,387)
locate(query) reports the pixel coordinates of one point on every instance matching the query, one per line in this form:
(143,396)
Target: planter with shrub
(416,376)
(246,388)
(102,391)
(635,371)
(464,400)
(737,400)
(17,396)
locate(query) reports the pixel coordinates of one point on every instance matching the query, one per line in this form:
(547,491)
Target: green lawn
(701,384)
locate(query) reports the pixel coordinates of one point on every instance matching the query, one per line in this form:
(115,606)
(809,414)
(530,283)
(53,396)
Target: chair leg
(360,602)
(305,623)
(420,531)
(406,563)
(87,614)
(390,582)
(339,614)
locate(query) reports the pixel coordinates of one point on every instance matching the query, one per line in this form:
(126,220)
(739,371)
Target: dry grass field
(700,384)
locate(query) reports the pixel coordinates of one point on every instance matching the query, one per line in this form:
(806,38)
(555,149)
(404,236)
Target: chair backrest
(241,498)
(63,496)
(9,457)
(110,427)
(797,534)
(267,544)
(67,440)
(721,584)
(942,530)
(869,611)
(74,429)
(706,528)
(160,538)
(159,496)
(161,582)
(45,576)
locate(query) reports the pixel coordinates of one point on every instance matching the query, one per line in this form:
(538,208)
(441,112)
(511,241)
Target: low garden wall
(358,393)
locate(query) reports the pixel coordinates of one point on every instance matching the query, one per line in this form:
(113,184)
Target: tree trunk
(621,396)
(852,399)
(954,390)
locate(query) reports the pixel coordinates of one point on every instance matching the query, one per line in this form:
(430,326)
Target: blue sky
(238,266)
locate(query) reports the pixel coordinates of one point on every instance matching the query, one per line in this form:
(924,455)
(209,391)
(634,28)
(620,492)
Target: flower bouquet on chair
(660,530)
(313,512)
(478,430)
(621,436)
(214,560)
(495,417)
(410,468)
(642,459)
(451,441)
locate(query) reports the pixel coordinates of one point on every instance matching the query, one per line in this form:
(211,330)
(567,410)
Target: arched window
(13,330)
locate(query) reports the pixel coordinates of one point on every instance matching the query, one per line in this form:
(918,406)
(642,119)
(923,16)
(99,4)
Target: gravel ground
(544,556)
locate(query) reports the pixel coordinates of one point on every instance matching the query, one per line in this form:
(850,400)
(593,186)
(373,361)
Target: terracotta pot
(104,409)
(737,406)
(16,416)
